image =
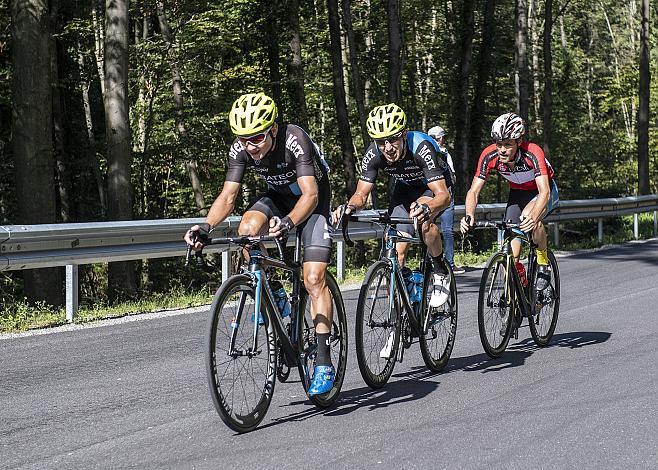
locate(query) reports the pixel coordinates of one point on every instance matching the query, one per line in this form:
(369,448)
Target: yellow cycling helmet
(385,121)
(251,114)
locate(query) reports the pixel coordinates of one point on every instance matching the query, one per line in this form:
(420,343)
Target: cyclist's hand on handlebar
(340,211)
(421,212)
(197,235)
(528,223)
(279,228)
(466,224)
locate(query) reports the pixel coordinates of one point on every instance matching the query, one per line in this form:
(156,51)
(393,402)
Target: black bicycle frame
(389,253)
(521,293)
(258,261)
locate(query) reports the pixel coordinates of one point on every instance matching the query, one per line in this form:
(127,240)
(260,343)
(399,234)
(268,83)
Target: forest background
(117,110)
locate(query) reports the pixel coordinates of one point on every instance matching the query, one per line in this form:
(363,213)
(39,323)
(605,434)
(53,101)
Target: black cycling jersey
(423,162)
(294,155)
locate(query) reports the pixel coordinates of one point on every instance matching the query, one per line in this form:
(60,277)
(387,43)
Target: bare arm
(224,204)
(360,196)
(440,201)
(472,202)
(307,202)
(220,209)
(531,219)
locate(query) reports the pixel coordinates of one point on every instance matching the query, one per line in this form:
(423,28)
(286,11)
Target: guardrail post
(636,226)
(71,291)
(226,265)
(340,260)
(655,223)
(600,230)
(501,238)
(556,234)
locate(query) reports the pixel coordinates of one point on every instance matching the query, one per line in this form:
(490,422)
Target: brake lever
(344,222)
(198,255)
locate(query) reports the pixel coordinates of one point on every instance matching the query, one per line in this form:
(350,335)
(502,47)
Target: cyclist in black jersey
(422,189)
(298,194)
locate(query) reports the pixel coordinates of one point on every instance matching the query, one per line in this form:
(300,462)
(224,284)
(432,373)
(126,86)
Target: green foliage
(222,49)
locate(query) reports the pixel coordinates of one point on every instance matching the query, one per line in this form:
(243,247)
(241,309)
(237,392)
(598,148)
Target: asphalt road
(134,395)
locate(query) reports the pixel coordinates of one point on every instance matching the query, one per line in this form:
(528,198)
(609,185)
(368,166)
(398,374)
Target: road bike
(505,299)
(386,318)
(249,343)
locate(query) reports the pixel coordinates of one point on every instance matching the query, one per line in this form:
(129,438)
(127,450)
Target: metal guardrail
(70,245)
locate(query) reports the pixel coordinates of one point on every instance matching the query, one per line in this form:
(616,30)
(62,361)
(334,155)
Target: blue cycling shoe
(323,380)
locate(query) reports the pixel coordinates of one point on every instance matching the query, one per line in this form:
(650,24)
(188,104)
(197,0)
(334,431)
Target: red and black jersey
(529,163)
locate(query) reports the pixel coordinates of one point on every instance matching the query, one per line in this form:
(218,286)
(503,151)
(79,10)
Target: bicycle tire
(376,370)
(308,343)
(236,408)
(493,314)
(545,306)
(438,338)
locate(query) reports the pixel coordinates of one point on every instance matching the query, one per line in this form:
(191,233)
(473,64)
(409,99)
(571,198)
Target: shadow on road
(413,388)
(415,384)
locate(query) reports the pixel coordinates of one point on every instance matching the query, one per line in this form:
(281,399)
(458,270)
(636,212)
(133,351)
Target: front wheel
(377,327)
(495,302)
(439,325)
(545,305)
(338,343)
(240,355)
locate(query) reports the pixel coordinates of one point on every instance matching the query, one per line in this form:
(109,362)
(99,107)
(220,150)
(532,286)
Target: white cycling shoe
(440,290)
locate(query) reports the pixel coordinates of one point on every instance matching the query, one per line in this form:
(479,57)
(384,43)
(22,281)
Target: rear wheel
(338,343)
(545,305)
(494,309)
(377,327)
(241,377)
(439,326)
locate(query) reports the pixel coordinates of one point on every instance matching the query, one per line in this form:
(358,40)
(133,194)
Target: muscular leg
(431,234)
(539,233)
(402,248)
(253,223)
(321,306)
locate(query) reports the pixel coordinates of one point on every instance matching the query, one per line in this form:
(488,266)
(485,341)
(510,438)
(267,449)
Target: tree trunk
(32,135)
(536,85)
(548,78)
(345,136)
(94,161)
(190,162)
(521,54)
(296,68)
(62,156)
(355,72)
(99,40)
(643,112)
(461,102)
(272,45)
(394,52)
(483,75)
(122,281)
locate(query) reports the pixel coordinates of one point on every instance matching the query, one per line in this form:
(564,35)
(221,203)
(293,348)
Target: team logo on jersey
(366,159)
(279,180)
(426,154)
(294,147)
(236,148)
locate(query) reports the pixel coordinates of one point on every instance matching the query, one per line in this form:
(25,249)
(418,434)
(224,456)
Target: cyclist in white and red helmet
(533,192)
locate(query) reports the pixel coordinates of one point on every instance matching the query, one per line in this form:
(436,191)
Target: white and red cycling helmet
(507,126)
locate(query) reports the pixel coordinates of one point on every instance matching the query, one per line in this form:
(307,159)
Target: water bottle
(407,275)
(281,298)
(417,278)
(522,275)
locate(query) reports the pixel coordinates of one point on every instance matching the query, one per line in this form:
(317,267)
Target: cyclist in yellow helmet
(298,193)
(422,189)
